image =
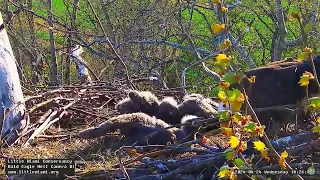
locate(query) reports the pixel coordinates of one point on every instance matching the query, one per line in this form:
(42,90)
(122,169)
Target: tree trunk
(36,71)
(11,99)
(70,36)
(54,71)
(110,29)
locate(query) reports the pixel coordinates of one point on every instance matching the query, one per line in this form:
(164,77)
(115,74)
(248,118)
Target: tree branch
(243,54)
(280,20)
(234,5)
(174,45)
(111,46)
(314,12)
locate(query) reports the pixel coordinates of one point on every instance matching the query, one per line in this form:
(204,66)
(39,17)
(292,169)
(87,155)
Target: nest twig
(96,101)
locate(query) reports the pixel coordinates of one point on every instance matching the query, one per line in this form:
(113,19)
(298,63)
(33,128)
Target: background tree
(158,37)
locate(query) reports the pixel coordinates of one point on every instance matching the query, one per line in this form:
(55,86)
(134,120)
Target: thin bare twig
(111,46)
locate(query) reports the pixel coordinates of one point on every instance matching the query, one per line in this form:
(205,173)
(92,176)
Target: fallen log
(294,140)
(218,161)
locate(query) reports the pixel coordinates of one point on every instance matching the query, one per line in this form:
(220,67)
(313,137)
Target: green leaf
(224,114)
(228,153)
(239,162)
(315,103)
(302,56)
(250,127)
(308,27)
(233,95)
(228,77)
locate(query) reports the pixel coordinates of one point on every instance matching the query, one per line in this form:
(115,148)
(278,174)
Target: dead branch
(183,76)
(111,46)
(189,168)
(288,107)
(54,117)
(36,107)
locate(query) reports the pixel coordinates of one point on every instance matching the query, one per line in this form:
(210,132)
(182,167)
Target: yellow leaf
(223,61)
(223,173)
(217,28)
(228,42)
(318,120)
(316,129)
(222,95)
(304,80)
(302,56)
(234,142)
(252,79)
(222,58)
(308,50)
(236,105)
(264,152)
(224,10)
(282,163)
(222,46)
(308,74)
(225,44)
(216,1)
(258,145)
(284,154)
(237,117)
(241,97)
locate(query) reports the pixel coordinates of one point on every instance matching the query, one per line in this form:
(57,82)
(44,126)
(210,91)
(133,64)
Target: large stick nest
(57,115)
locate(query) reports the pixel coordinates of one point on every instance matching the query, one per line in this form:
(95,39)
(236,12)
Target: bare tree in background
(33,44)
(53,69)
(70,36)
(168,36)
(279,28)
